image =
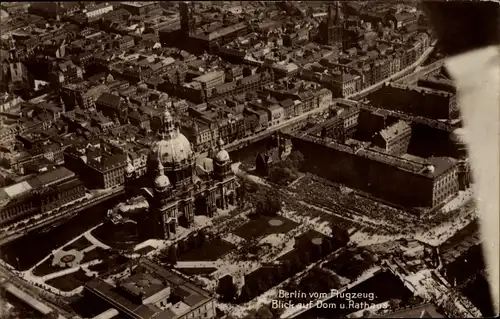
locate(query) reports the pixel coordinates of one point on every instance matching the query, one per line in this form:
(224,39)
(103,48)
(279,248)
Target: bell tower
(332,28)
(164,209)
(222,162)
(186,9)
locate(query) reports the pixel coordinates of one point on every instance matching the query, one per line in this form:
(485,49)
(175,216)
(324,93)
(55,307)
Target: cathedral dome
(173,150)
(222,156)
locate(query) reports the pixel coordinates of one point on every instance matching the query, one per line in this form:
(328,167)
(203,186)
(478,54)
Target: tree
(172,254)
(394,303)
(305,257)
(202,238)
(270,205)
(193,242)
(264,313)
(227,290)
(282,175)
(340,235)
(5,162)
(287,267)
(250,186)
(317,251)
(297,264)
(246,293)
(52,315)
(297,158)
(327,246)
(182,247)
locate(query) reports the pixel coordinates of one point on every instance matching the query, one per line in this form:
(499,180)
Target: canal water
(384,286)
(248,153)
(23,253)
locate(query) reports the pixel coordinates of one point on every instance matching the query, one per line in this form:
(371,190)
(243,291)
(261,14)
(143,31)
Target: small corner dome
(430,168)
(222,156)
(162,181)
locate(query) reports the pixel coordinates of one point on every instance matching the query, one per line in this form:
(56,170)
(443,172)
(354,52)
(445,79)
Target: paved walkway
(71,270)
(94,240)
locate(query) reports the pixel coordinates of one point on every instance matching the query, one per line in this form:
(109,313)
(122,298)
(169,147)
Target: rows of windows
(47,203)
(445,187)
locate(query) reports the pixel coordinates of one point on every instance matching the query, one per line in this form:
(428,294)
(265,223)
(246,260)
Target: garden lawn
(79,244)
(46,268)
(94,254)
(109,264)
(210,251)
(69,282)
(260,227)
(304,242)
(144,250)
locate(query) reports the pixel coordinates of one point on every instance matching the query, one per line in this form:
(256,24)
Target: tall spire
(336,20)
(330,15)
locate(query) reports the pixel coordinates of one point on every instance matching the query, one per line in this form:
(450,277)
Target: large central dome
(173,149)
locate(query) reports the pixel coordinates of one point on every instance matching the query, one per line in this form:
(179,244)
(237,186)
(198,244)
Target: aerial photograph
(233,160)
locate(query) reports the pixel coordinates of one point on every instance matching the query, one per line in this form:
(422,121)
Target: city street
(31,290)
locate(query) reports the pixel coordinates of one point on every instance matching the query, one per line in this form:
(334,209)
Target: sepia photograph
(249,159)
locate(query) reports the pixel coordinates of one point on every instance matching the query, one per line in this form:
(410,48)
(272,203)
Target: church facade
(177,186)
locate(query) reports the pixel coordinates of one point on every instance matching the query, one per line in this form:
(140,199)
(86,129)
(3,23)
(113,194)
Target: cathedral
(330,30)
(177,185)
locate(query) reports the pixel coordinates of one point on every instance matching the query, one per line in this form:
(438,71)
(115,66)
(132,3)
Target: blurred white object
(477,76)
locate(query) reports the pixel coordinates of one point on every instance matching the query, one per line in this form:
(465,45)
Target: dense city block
(232,159)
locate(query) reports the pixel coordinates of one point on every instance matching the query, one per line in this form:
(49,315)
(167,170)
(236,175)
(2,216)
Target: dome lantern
(168,123)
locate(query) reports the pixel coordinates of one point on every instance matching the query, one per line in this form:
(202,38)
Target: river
(23,253)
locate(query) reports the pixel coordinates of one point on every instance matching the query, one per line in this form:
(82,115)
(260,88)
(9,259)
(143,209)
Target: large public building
(381,163)
(43,194)
(151,291)
(177,185)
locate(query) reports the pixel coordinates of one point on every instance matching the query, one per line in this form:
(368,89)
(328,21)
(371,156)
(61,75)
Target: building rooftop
(102,158)
(209,76)
(148,280)
(393,131)
(43,180)
(143,285)
(431,167)
(137,4)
